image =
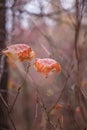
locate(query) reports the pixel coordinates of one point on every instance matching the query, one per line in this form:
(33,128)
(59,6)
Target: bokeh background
(53,29)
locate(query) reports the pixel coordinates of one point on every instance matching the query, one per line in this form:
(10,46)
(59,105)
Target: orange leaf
(21,52)
(47,65)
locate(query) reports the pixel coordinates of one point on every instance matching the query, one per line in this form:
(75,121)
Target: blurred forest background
(55,29)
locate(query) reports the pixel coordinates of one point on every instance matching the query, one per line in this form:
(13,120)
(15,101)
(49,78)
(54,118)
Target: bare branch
(7,107)
(19,89)
(64,88)
(78,86)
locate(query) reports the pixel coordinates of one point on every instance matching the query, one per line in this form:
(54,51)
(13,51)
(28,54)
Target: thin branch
(60,124)
(78,94)
(72,21)
(19,89)
(39,14)
(14,4)
(12,121)
(40,101)
(4,102)
(37,103)
(36,110)
(7,107)
(64,88)
(51,123)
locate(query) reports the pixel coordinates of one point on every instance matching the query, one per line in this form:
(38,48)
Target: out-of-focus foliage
(54,29)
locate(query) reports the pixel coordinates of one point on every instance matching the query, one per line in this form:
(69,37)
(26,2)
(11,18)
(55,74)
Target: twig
(78,94)
(45,110)
(7,107)
(19,89)
(36,110)
(51,123)
(11,121)
(3,100)
(60,124)
(64,88)
(14,4)
(1,96)
(41,102)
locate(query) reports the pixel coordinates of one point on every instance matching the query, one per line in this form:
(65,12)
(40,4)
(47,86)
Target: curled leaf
(21,52)
(47,65)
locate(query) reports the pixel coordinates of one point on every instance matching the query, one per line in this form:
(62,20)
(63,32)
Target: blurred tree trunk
(3,69)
